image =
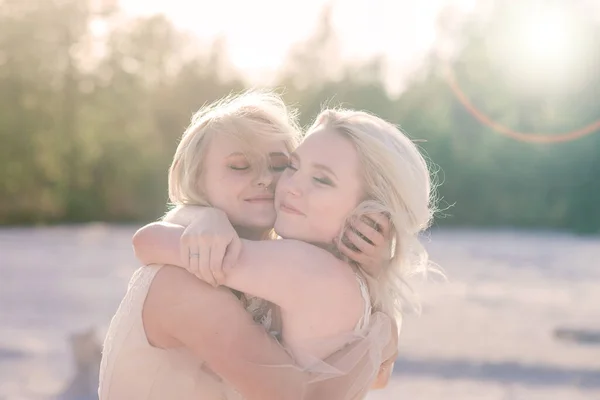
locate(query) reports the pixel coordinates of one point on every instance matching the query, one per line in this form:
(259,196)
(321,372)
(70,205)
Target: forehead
(225,144)
(332,149)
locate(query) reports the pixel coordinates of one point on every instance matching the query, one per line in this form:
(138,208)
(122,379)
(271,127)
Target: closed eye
(238,168)
(324,181)
(278,168)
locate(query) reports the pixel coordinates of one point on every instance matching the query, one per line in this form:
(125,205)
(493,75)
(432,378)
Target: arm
(213,325)
(158,243)
(387,367)
(383,376)
(184,215)
(280,271)
(290,272)
(208,246)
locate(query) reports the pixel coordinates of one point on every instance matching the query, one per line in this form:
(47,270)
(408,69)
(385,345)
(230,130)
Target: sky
(259,33)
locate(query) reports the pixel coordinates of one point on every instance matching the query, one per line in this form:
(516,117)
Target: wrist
(182,215)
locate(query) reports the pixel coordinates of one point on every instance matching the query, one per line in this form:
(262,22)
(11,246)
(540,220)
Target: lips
(263,198)
(287,208)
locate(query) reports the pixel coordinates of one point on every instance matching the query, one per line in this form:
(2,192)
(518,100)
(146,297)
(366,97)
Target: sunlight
(547,38)
(259,34)
(543,49)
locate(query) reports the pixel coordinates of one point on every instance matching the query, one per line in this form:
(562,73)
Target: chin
(265,224)
(280,229)
(287,232)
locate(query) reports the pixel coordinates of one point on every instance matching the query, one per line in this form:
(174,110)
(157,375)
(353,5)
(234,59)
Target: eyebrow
(317,166)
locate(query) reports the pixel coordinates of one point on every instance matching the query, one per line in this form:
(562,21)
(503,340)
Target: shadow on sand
(501,372)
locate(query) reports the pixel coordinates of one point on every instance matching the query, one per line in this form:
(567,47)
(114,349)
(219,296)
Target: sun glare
(543,49)
(547,38)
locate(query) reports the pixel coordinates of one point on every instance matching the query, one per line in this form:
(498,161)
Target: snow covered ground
(489,332)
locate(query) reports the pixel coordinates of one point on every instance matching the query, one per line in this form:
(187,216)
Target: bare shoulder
(335,275)
(322,262)
(295,255)
(332,291)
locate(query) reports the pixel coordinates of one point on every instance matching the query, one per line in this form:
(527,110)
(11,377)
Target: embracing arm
(214,326)
(158,246)
(280,271)
(152,247)
(287,271)
(209,245)
(387,367)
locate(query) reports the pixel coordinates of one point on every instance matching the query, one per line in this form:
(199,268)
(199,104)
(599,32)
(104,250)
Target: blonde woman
(174,336)
(351,164)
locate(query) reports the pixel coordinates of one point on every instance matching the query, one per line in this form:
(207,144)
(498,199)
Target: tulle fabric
(346,374)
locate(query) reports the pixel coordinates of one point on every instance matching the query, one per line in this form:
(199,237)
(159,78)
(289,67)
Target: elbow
(383,376)
(380,383)
(139,242)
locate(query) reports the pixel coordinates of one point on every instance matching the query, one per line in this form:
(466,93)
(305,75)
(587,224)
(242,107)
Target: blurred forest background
(92,104)
(94,97)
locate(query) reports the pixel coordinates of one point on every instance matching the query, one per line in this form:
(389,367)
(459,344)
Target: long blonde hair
(249,116)
(397,183)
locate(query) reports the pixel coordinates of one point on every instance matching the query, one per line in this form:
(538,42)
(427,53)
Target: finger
(382,221)
(195,251)
(204,265)
(184,253)
(355,256)
(191,262)
(372,236)
(217,253)
(194,259)
(232,254)
(361,244)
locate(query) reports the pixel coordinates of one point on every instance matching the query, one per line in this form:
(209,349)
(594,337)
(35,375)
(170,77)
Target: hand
(366,241)
(210,246)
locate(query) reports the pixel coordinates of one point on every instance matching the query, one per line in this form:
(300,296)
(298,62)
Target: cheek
(281,182)
(276,177)
(226,186)
(331,210)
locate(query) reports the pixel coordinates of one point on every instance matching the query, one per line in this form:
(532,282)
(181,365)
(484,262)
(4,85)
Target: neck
(333,249)
(329,247)
(251,234)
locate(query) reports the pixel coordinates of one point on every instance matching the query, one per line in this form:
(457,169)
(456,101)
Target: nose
(264,178)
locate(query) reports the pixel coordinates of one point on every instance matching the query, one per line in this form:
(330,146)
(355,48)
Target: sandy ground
(486,333)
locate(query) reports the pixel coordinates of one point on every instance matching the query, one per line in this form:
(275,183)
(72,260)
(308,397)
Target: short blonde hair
(397,183)
(249,116)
